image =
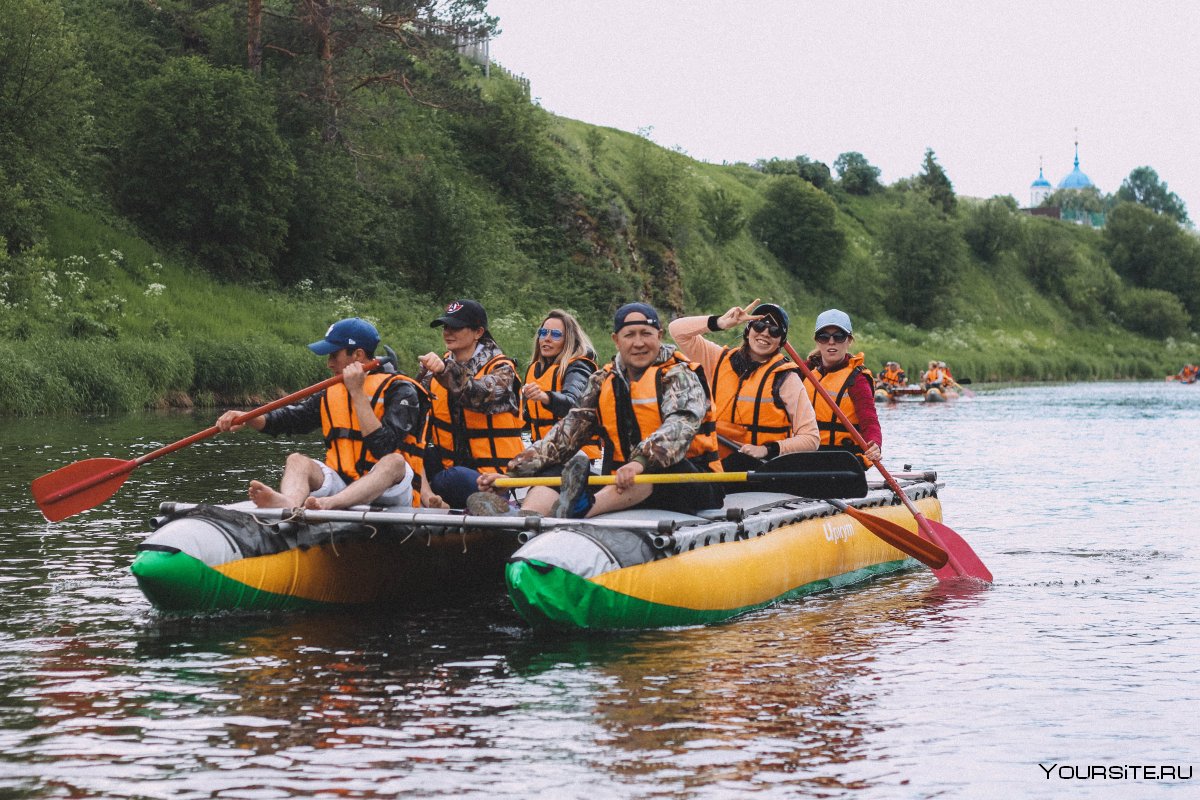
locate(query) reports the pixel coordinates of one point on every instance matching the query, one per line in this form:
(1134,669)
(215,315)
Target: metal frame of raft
(654,568)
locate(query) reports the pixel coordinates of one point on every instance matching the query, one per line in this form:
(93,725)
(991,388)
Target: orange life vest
(625,422)
(934,376)
(891,376)
(539,417)
(345,453)
(469,438)
(739,410)
(838,384)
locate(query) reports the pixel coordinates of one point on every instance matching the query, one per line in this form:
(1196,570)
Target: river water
(1083,656)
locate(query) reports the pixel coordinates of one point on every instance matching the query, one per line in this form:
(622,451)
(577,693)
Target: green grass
(100,320)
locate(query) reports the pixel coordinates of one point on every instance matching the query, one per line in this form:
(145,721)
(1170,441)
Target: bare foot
(264,496)
(320,503)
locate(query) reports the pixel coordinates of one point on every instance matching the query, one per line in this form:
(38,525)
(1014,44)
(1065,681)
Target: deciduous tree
(1144,188)
(1150,250)
(798,224)
(991,227)
(204,165)
(856,173)
(45,97)
(924,253)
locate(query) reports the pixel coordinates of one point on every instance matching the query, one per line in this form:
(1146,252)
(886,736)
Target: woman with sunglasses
(848,382)
(474,422)
(562,362)
(757,393)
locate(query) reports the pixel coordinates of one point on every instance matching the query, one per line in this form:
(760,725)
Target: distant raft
(761,548)
(898,394)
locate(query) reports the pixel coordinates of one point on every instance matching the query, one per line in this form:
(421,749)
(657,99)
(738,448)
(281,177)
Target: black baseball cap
(651,316)
(462,314)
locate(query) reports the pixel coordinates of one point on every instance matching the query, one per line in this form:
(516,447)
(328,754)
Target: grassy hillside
(160,260)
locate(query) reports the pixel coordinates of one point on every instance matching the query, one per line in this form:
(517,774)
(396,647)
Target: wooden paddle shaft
(858,438)
(129,466)
(249,415)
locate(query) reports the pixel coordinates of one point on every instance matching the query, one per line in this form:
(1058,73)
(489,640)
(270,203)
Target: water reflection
(785,697)
(1082,652)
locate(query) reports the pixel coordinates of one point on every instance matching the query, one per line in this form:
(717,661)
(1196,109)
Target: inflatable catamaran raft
(631,569)
(759,549)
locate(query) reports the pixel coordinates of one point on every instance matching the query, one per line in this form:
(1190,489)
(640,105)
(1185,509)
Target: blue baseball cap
(833,319)
(347,333)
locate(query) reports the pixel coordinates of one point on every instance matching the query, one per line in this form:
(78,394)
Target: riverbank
(125,327)
(44,377)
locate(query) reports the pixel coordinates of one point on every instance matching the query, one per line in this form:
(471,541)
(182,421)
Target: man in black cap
(372,422)
(651,410)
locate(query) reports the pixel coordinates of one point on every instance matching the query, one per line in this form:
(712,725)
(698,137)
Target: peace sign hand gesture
(738,316)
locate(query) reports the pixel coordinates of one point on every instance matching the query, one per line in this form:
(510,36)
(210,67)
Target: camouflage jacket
(683,407)
(494,393)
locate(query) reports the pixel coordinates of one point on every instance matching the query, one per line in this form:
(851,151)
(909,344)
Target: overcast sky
(992,87)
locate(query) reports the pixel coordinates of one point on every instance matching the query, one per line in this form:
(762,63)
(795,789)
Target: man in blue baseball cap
(348,334)
(372,423)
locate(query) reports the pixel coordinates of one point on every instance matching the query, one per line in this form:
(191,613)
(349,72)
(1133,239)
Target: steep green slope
(408,193)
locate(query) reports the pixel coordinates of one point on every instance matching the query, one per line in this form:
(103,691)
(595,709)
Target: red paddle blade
(963,563)
(79,486)
(902,539)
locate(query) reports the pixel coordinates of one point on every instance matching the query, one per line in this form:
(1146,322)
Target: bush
(245,371)
(798,224)
(924,254)
(30,383)
(722,213)
(660,192)
(990,228)
(205,167)
(1153,312)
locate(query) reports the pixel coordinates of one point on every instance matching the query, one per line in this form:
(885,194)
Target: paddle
(964,390)
(88,483)
(817,475)
(903,540)
(962,563)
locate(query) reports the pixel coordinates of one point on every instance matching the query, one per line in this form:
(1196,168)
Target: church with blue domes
(1076,180)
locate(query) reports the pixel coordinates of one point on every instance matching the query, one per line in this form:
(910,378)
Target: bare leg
(301,476)
(387,473)
(540,500)
(608,499)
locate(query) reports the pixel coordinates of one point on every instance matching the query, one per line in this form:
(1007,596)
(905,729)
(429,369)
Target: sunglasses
(546,333)
(773,330)
(825,338)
